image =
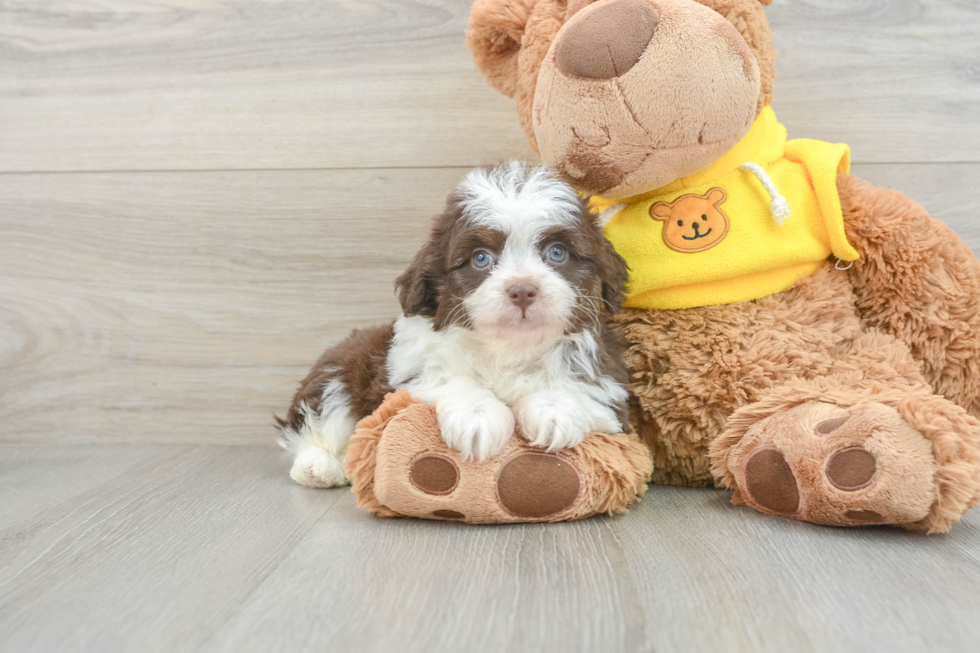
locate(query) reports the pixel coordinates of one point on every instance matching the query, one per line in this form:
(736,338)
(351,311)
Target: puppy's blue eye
(557,253)
(482,259)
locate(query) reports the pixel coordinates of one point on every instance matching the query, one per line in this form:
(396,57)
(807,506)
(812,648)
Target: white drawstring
(609,214)
(779,207)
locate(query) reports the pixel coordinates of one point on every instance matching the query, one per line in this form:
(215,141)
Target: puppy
(502,324)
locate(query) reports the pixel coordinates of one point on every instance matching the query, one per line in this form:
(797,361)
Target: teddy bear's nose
(608,41)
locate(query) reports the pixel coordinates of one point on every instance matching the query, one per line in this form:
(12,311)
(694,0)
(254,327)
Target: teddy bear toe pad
(770,481)
(851,469)
(826,464)
(434,474)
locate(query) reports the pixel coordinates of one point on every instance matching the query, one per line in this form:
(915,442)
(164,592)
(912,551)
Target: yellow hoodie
(762,217)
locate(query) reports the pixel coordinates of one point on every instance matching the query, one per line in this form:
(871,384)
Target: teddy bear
(793,333)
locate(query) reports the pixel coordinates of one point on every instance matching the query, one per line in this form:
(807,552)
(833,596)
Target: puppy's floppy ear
(416,287)
(612,269)
(494,36)
(614,273)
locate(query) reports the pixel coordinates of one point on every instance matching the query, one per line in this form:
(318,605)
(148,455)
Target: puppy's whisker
(588,308)
(458,309)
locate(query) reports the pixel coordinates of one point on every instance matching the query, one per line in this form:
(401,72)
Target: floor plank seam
(469,166)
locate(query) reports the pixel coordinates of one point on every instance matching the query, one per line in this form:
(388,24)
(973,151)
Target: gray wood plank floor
(197,197)
(170,548)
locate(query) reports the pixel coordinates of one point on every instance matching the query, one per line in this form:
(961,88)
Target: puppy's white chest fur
(421,359)
(480,388)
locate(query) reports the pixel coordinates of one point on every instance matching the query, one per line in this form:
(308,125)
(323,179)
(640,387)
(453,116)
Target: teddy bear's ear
(660,211)
(494,37)
(716,196)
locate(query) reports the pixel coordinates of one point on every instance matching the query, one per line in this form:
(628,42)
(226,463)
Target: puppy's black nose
(522,295)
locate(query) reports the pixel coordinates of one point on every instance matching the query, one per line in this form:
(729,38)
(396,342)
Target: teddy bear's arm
(917,281)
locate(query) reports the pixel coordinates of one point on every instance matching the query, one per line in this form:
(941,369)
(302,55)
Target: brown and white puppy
(502,323)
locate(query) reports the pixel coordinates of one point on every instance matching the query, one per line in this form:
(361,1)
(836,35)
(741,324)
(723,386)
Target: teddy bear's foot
(821,463)
(914,464)
(399,464)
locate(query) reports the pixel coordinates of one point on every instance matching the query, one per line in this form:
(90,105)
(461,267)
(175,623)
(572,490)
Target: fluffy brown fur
(359,363)
(691,369)
(917,281)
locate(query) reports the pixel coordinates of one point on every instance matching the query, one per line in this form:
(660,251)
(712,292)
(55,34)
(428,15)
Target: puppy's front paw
(477,427)
(553,420)
(315,467)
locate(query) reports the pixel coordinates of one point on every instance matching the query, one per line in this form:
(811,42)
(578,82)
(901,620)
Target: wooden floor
(197,197)
(141,547)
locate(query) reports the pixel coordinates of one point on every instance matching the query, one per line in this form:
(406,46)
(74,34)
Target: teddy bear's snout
(608,41)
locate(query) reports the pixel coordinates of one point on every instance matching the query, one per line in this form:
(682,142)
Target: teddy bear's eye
(704,217)
(680,223)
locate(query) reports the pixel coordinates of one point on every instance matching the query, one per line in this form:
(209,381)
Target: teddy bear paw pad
(537,485)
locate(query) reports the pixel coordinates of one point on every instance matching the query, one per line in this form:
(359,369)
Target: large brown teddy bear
(793,332)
